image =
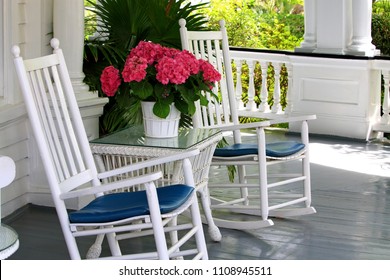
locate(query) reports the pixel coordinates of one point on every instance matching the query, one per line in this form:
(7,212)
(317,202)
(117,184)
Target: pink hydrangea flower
(152,63)
(210,74)
(134,69)
(149,51)
(170,52)
(189,60)
(171,70)
(110,80)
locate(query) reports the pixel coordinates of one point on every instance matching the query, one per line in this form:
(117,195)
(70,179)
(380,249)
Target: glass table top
(135,136)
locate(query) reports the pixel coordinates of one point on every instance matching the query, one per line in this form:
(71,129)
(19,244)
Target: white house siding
(28,23)
(14,143)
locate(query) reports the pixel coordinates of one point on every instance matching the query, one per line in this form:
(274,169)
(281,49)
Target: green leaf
(191,108)
(182,106)
(161,109)
(203,100)
(188,94)
(163,96)
(142,90)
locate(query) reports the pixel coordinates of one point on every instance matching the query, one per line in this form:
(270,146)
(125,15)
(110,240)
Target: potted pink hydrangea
(166,76)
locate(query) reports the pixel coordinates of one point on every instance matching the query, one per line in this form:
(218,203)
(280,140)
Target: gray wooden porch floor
(351,193)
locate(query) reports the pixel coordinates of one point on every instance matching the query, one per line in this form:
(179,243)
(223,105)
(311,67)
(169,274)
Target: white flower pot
(157,127)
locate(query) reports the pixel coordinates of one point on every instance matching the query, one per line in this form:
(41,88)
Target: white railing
(383,125)
(257,65)
(264,66)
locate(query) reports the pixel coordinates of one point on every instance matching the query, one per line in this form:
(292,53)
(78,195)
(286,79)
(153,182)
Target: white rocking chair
(71,172)
(252,189)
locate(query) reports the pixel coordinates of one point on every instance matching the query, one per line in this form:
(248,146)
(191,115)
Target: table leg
(214,231)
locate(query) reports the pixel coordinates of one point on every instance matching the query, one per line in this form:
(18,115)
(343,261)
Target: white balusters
(289,106)
(264,106)
(385,119)
(263,93)
(251,105)
(239,102)
(257,81)
(276,107)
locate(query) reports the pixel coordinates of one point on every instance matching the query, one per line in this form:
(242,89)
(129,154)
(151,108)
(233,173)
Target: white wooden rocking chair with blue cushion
(71,172)
(253,192)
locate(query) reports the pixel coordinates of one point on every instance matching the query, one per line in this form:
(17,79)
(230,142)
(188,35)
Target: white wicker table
(129,145)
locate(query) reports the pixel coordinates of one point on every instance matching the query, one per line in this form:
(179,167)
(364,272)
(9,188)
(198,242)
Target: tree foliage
(241,21)
(258,24)
(381,26)
(261,25)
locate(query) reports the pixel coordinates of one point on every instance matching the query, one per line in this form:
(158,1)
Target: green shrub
(380,28)
(278,33)
(259,25)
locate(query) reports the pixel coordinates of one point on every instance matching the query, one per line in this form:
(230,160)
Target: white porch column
(361,29)
(310,37)
(334,22)
(68,27)
(338,27)
(343,89)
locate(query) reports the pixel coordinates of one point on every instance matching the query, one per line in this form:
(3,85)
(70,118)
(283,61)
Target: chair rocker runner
(71,172)
(254,191)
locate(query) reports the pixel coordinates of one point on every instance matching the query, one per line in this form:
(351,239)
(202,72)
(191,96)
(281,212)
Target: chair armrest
(139,180)
(148,163)
(242,126)
(276,117)
(289,118)
(113,186)
(268,122)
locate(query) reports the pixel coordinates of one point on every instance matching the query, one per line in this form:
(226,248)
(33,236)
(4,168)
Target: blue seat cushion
(276,149)
(118,206)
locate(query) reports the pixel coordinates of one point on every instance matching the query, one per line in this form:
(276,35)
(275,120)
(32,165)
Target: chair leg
(72,246)
(70,240)
(306,163)
(158,228)
(199,235)
(241,178)
(113,244)
(174,236)
(307,184)
(263,181)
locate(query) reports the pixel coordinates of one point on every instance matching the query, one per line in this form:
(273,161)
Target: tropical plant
(122,24)
(163,75)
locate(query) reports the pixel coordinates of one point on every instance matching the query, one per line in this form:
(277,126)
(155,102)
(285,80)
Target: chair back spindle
(54,113)
(213,47)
